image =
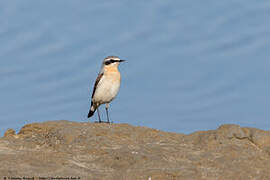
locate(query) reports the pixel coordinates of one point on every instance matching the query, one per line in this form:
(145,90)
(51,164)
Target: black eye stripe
(107,62)
(110,61)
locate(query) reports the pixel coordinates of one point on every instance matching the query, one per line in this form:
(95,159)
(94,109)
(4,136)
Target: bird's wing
(96,83)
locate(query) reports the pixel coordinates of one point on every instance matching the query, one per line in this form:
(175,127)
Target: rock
(121,151)
(9,133)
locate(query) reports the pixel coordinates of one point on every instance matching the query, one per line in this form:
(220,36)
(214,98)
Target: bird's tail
(92,110)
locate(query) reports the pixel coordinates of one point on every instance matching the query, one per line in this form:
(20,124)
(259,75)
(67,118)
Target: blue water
(192,65)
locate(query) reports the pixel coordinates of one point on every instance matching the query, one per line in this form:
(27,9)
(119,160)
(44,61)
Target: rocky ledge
(72,150)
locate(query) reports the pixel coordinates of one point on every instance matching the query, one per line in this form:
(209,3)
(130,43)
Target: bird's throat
(110,69)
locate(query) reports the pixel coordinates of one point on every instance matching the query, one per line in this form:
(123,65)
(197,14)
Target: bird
(106,86)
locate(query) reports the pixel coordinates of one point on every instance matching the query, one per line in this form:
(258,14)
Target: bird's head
(112,61)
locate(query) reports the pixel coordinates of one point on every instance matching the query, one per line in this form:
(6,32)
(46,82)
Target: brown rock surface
(121,151)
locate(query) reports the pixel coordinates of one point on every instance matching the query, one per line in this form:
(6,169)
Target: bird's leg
(107,107)
(99,119)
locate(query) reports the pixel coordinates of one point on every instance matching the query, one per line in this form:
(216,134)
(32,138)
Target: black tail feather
(91,111)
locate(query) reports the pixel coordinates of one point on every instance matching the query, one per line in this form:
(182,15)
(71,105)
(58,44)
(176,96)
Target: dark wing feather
(93,108)
(96,83)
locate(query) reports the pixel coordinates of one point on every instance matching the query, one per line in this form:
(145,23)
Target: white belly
(106,90)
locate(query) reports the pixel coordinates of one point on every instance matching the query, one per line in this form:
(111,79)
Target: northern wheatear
(106,86)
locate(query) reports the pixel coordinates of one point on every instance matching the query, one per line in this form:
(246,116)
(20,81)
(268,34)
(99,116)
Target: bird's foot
(102,122)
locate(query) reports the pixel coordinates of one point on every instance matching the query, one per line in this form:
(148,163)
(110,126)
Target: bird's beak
(122,60)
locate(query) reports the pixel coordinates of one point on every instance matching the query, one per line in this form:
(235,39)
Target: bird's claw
(103,122)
